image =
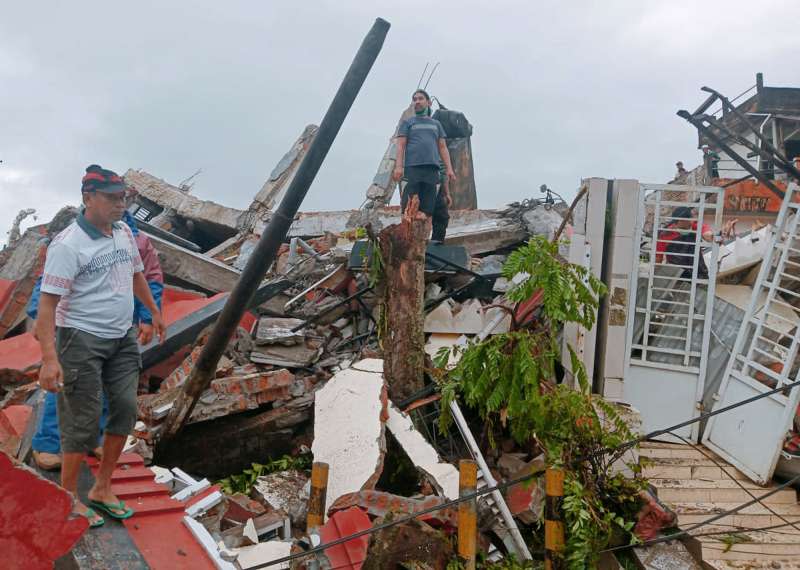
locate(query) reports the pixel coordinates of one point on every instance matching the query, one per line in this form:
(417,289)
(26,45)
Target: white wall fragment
(443,476)
(263,552)
(348,432)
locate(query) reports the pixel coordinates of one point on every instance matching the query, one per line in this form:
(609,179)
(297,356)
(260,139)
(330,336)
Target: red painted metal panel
(157,528)
(352,553)
(20,353)
(525,310)
(35,523)
(6,288)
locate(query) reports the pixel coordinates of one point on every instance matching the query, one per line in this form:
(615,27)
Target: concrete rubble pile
(302,376)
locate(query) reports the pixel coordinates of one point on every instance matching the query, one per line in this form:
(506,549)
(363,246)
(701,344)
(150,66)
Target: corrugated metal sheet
(726,320)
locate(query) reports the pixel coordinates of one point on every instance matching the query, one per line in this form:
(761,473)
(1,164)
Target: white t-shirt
(93,274)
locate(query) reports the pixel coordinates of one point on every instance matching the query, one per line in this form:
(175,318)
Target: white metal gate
(671,301)
(764,356)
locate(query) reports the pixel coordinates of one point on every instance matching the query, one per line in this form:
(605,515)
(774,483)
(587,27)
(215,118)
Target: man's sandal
(94,519)
(113,509)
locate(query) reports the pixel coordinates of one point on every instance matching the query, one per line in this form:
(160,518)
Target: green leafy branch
(244,481)
(510,378)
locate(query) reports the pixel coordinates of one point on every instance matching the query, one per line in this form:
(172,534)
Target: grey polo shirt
(93,275)
(422,136)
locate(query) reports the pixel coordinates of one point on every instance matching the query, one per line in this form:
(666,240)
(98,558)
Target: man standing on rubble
(420,148)
(46,443)
(92,273)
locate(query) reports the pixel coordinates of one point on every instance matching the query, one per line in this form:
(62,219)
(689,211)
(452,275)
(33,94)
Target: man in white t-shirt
(91,274)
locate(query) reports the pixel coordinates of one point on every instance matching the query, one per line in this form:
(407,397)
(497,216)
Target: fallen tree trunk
(403,250)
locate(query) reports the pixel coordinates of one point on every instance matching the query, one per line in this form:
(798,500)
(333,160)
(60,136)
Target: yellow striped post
(553,522)
(467,513)
(316,499)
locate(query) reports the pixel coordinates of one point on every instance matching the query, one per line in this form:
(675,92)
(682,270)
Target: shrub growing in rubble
(511,378)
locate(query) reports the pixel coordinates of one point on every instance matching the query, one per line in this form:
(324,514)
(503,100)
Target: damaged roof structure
(273,428)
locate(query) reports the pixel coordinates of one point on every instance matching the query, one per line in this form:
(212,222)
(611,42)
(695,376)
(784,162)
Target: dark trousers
(423,182)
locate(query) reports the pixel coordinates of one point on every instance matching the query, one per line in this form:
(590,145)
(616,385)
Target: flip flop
(89,515)
(111,509)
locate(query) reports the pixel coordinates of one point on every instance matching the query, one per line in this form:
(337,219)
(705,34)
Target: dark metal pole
(276,230)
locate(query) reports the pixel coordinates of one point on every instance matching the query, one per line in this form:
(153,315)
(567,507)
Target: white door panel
(764,356)
(671,303)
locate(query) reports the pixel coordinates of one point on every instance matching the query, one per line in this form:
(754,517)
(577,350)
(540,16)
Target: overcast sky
(556,93)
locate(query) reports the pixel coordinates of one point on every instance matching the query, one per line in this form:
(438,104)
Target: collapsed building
(680,333)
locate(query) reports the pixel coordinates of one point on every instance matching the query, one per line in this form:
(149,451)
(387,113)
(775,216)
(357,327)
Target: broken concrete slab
(442,476)
(490,264)
(299,355)
(285,491)
(467,318)
(438,341)
(282,175)
(272,383)
(454,318)
(193,269)
(225,396)
(353,450)
(249,532)
(274,330)
(219,220)
(743,252)
(480,231)
(382,188)
(542,221)
(672,555)
(20,258)
(486,236)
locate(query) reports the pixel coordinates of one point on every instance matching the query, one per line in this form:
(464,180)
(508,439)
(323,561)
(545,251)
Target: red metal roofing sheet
(35,523)
(352,553)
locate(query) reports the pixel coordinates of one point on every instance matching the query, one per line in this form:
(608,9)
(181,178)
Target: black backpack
(455,124)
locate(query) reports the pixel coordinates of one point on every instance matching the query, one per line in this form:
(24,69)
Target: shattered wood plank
(184,204)
(353,445)
(194,268)
(403,250)
(282,175)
